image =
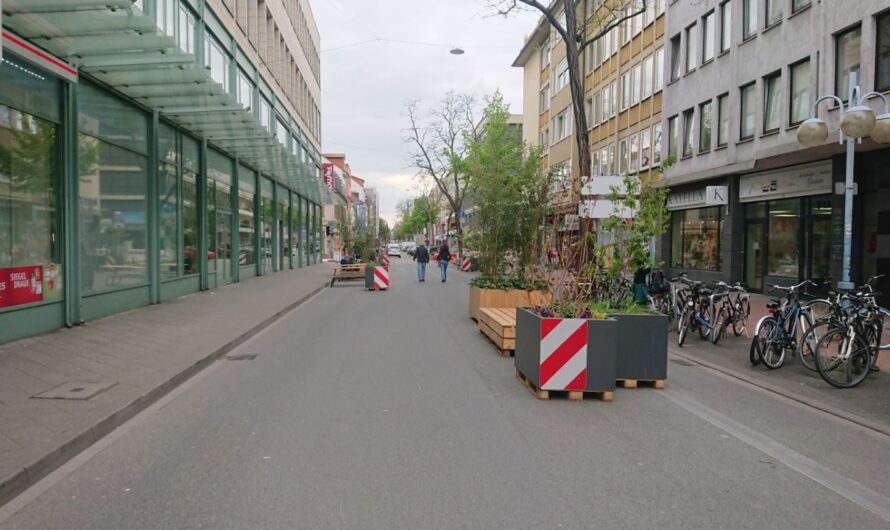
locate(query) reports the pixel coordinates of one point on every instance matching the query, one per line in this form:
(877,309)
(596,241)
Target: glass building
(144,155)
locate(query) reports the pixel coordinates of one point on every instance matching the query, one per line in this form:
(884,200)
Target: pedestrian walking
(422,257)
(443,259)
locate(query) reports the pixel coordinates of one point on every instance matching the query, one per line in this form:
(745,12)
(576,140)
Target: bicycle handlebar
(792,288)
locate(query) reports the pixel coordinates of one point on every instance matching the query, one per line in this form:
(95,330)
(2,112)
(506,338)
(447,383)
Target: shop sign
(603,209)
(328,172)
(699,197)
(21,285)
(798,181)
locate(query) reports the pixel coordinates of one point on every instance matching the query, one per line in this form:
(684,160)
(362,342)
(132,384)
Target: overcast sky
(364,87)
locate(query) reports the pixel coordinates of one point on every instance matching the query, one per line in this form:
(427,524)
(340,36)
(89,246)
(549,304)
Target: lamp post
(857,122)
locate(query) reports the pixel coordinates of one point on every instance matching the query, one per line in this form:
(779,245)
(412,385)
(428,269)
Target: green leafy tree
(383,231)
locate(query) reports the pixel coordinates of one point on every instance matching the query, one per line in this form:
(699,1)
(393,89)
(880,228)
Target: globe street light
(857,122)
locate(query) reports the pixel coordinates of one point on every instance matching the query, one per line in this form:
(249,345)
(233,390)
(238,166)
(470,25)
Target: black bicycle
(777,332)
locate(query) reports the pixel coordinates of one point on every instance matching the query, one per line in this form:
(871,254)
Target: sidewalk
(136,357)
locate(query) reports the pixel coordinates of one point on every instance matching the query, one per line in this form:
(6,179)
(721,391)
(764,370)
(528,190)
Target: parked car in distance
(394,250)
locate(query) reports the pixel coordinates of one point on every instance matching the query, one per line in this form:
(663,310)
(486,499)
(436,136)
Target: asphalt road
(389,410)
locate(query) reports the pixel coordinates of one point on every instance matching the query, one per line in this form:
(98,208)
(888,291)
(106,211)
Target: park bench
(348,272)
(499,325)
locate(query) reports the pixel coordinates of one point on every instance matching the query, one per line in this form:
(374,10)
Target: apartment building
(153,148)
(622,74)
(748,202)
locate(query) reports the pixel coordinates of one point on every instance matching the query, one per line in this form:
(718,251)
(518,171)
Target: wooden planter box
(642,347)
(505,298)
(567,354)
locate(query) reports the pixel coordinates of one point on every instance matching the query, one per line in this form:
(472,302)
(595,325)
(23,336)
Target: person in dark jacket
(422,257)
(443,258)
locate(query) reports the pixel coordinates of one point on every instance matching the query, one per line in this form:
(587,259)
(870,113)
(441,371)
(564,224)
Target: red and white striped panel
(563,364)
(384,260)
(381,277)
(466,265)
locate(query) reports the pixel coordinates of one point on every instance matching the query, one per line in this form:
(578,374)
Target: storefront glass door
(754,255)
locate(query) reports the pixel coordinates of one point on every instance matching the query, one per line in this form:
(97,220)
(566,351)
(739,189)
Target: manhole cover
(242,357)
(77,390)
(682,362)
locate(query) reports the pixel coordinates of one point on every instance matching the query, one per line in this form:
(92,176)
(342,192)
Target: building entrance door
(755,257)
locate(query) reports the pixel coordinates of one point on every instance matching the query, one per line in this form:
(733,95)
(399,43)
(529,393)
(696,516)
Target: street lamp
(857,122)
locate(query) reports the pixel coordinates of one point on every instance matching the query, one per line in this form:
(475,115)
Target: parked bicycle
(845,355)
(778,332)
(700,312)
(736,306)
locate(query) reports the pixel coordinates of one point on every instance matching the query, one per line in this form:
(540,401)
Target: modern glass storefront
(696,236)
(105,206)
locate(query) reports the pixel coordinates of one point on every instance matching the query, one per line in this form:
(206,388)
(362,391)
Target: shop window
(113,232)
(168,197)
(219,216)
(695,239)
(847,46)
(190,156)
(267,209)
(246,217)
(107,118)
(30,256)
(283,234)
(784,238)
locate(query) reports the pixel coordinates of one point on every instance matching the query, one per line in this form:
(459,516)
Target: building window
(245,90)
(606,45)
(656,143)
(722,120)
(622,156)
(625,90)
(645,148)
(673,136)
(603,167)
(847,61)
(659,69)
(688,132)
(168,197)
(562,75)
(265,111)
(675,58)
(691,48)
(725,26)
(800,91)
(607,104)
(544,141)
(589,56)
(185,39)
(627,25)
(247,217)
(597,109)
(748,103)
(217,61)
(191,152)
(749,18)
(797,5)
(695,238)
(634,153)
(563,125)
(707,37)
(772,97)
(545,98)
(588,112)
(647,76)
(704,127)
(636,81)
(613,88)
(545,55)
(773,12)
(882,59)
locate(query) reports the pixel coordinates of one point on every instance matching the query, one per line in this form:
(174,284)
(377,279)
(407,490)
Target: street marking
(840,484)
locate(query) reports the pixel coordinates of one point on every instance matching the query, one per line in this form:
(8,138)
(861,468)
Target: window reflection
(695,238)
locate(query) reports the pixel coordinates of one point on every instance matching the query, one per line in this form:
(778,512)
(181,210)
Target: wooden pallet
(571,395)
(499,325)
(633,383)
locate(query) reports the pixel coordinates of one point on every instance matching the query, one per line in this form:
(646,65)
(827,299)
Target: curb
(12,486)
(851,417)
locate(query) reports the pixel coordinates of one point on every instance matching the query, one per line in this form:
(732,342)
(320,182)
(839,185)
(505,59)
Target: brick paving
(144,352)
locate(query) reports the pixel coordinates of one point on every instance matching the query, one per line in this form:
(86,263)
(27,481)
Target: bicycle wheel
(683,326)
(771,353)
(884,319)
(840,362)
(810,341)
(720,323)
(740,319)
(761,335)
(818,309)
(704,332)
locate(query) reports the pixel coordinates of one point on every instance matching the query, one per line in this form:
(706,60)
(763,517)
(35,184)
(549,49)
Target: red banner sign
(21,285)
(328,173)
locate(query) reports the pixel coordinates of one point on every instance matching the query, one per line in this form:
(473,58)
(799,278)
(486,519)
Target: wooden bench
(348,272)
(499,325)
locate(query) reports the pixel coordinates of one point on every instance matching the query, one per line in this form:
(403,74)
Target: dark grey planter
(369,277)
(599,363)
(642,346)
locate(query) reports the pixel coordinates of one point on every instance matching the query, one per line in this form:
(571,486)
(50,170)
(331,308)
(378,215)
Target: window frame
(881,17)
(742,107)
(704,117)
(749,16)
(791,92)
(658,74)
(725,26)
(770,81)
(691,55)
(688,133)
(707,26)
(845,94)
(723,114)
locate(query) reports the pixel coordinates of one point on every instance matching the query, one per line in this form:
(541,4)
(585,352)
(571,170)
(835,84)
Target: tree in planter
(509,192)
(439,143)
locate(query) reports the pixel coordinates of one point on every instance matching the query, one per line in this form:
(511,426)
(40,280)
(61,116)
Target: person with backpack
(422,257)
(443,258)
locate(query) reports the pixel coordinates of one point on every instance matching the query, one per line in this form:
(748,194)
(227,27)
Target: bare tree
(438,144)
(578,35)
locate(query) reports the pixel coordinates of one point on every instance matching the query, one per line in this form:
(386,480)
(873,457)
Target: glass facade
(168,195)
(219,218)
(283,209)
(695,239)
(190,230)
(267,219)
(247,217)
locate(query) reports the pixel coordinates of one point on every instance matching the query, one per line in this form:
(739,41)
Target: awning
(115,42)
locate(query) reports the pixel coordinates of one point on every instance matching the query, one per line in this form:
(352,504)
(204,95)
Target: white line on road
(844,486)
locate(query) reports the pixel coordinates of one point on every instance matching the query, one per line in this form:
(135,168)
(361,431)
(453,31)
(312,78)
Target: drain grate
(74,390)
(682,362)
(242,357)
